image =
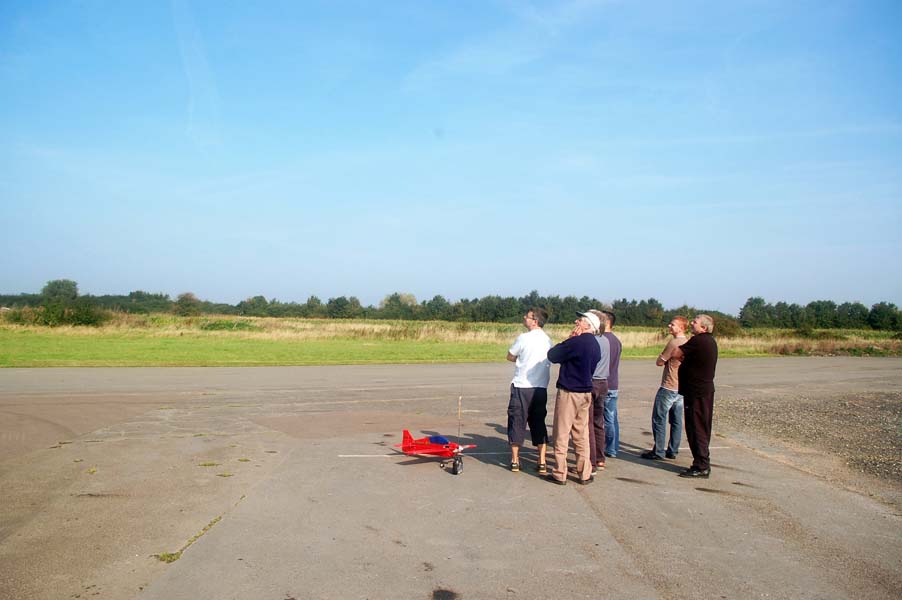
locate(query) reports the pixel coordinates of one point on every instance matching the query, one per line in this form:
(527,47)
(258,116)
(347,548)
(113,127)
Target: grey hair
(706,321)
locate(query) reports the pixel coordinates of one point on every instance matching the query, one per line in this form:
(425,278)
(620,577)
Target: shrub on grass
(84,312)
(20,316)
(229,326)
(187,305)
(53,314)
(724,327)
(809,333)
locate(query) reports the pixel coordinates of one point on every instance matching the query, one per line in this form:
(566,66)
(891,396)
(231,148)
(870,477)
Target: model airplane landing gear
(458,467)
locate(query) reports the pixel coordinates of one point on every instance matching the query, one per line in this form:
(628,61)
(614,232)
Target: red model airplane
(435,445)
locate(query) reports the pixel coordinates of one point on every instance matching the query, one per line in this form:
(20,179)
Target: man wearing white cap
(578,355)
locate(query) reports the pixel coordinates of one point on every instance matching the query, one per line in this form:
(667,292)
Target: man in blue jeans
(668,401)
(611,418)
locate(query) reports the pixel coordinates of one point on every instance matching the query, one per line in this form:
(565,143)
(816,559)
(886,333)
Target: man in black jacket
(696,385)
(578,355)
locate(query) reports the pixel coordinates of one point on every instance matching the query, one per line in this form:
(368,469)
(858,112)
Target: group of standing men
(585,410)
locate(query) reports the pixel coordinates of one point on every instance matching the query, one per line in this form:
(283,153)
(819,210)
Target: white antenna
(459,399)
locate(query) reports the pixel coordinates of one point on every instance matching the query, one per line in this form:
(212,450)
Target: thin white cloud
(888,128)
(203,98)
(553,17)
(493,56)
(534,32)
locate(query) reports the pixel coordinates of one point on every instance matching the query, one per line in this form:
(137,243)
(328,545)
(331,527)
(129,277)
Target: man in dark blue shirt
(578,355)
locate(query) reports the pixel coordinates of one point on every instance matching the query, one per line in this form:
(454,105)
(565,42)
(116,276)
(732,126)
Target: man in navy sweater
(578,355)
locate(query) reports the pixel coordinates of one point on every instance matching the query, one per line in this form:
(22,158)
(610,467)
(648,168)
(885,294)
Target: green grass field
(165,340)
(47,349)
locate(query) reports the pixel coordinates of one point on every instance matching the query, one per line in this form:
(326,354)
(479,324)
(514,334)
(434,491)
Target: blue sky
(695,152)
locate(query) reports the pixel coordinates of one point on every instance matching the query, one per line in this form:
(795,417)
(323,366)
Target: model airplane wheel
(458,466)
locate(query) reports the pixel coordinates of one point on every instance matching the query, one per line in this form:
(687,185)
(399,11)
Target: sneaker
(541,469)
(515,467)
(650,455)
(670,455)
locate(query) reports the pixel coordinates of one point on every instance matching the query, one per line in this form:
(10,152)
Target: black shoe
(651,455)
(586,481)
(670,455)
(550,477)
(695,472)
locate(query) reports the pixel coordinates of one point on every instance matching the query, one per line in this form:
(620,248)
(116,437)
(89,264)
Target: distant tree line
(394,306)
(820,314)
(61,298)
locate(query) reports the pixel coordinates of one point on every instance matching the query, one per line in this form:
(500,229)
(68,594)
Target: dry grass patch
(163,339)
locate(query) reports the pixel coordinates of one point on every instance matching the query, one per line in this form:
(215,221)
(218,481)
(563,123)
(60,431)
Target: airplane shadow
(489,450)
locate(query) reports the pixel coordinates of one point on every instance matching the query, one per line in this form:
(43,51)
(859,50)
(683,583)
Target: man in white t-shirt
(529,393)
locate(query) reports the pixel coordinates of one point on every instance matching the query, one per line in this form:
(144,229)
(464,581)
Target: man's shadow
(528,453)
(632,454)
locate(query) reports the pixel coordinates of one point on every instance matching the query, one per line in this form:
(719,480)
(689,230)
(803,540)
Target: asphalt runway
(281,483)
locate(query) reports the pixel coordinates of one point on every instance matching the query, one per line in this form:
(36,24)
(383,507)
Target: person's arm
(666,354)
(514,351)
(560,353)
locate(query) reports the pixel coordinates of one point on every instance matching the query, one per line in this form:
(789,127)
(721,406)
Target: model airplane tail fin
(406,441)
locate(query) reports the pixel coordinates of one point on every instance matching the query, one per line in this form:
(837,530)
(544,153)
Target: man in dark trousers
(599,393)
(696,385)
(578,355)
